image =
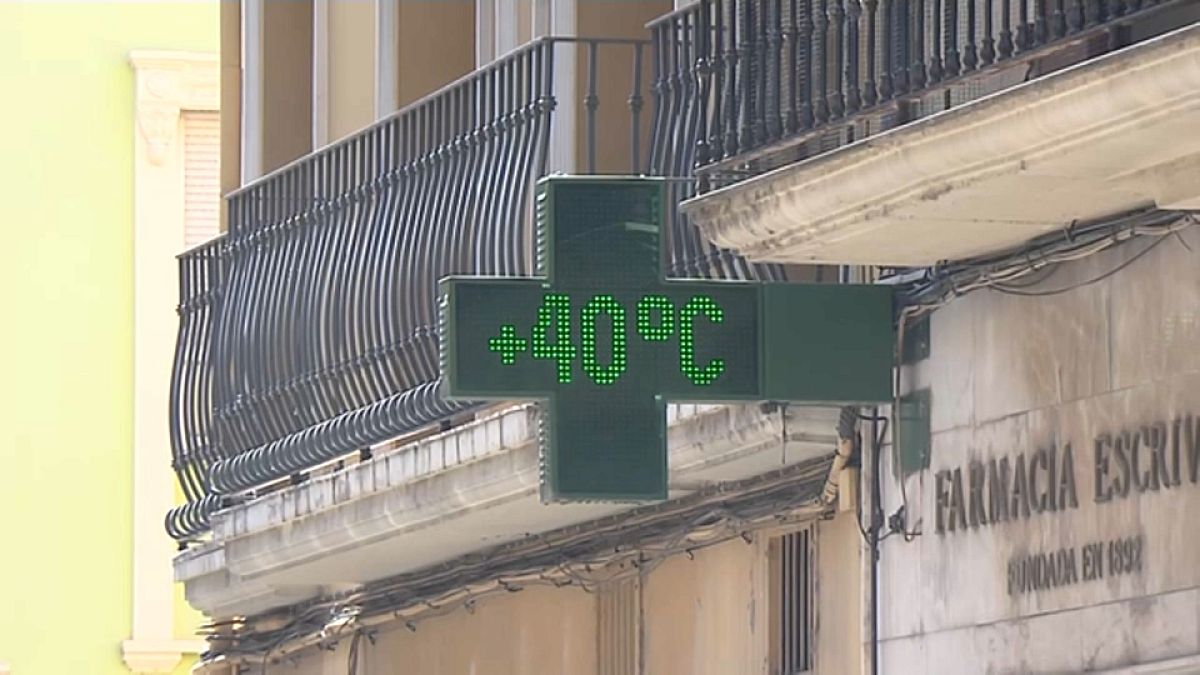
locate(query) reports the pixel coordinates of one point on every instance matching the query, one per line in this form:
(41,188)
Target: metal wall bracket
(916,345)
(913,433)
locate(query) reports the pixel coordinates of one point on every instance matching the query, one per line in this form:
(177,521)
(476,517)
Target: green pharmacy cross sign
(605,340)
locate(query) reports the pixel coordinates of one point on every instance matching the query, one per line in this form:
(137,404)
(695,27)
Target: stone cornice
(167,82)
(158,656)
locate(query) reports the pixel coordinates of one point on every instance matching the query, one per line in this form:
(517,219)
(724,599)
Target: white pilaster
(507,25)
(558,18)
(485,32)
(252,89)
(387,54)
(166,84)
(320,63)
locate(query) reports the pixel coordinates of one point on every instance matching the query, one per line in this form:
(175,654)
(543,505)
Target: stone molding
(166,83)
(157,656)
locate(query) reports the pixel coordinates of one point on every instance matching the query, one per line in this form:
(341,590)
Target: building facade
(1055,508)
(1022,175)
(1039,492)
(106,116)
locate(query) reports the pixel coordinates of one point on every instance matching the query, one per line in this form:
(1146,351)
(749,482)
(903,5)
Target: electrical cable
(1016,290)
(877,441)
(924,291)
(1034,278)
(876,523)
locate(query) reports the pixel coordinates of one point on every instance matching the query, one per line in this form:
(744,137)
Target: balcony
(907,132)
(307,333)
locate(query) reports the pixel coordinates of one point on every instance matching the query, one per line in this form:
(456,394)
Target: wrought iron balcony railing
(308,331)
(767,82)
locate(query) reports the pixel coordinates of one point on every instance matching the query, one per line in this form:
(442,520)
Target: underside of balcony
(1106,136)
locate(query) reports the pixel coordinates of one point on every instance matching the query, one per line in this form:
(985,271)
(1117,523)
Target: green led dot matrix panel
(605,340)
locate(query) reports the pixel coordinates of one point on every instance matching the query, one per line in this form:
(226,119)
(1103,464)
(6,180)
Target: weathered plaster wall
(1010,375)
(704,614)
(539,630)
(840,591)
(707,616)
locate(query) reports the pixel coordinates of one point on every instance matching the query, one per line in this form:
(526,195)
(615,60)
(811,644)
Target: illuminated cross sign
(606,341)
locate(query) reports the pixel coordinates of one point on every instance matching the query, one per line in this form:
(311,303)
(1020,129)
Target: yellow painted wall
(706,616)
(840,595)
(231,99)
(66,166)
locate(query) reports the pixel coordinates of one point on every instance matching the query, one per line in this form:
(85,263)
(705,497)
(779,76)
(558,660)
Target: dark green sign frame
(606,340)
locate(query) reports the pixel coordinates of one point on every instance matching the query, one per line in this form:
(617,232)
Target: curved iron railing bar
(250,361)
(461,177)
(327,382)
(199,290)
(180,423)
(278,356)
(359,370)
(295,310)
(376,302)
(203,410)
(406,189)
(370,300)
(268,358)
(223,360)
(333,347)
(426,236)
(531,145)
(190,355)
(393,335)
(257,261)
(341,333)
(666,101)
(510,243)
